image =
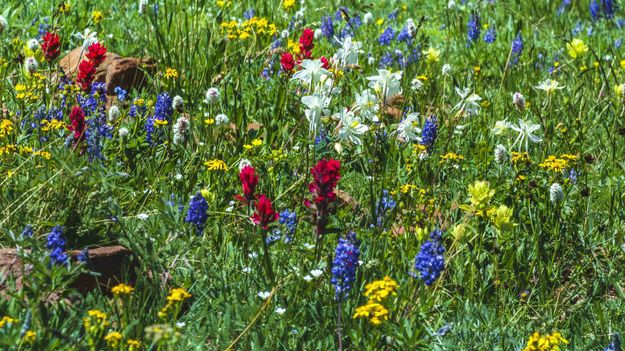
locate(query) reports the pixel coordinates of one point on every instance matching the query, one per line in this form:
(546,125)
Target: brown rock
(126,72)
(110,262)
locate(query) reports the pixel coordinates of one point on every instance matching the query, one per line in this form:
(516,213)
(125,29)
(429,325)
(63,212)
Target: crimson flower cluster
(264,213)
(51,46)
(96,54)
(306,45)
(78,125)
(326,174)
(249,180)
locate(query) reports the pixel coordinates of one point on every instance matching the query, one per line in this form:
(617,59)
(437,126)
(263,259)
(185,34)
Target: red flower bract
(86,74)
(96,53)
(249,180)
(51,46)
(326,63)
(325,176)
(287,62)
(264,214)
(78,126)
(306,42)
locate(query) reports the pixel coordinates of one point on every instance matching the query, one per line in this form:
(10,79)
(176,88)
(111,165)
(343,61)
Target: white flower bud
(519,101)
(114,114)
(555,193)
(177,103)
(212,95)
(3,24)
(221,119)
(33,44)
(367,18)
(30,65)
(500,154)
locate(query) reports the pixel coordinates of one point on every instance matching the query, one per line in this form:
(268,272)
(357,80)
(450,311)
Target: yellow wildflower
(6,127)
(216,165)
(257,142)
(54,124)
(501,217)
(519,158)
(122,289)
(178,295)
(622,63)
(133,344)
(451,156)
(293,47)
(551,342)
(6,320)
(209,121)
(432,55)
(65,7)
(288,4)
(97,16)
(113,339)
(160,122)
(375,312)
(379,290)
(29,337)
(44,154)
(171,73)
(480,195)
(576,48)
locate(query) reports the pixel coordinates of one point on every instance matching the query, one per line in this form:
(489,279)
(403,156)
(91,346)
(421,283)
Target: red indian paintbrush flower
(326,63)
(325,176)
(96,53)
(51,46)
(249,180)
(306,42)
(264,214)
(86,74)
(78,126)
(287,62)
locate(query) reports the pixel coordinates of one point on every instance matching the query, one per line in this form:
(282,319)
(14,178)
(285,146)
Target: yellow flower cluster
(288,4)
(244,30)
(113,339)
(29,337)
(501,217)
(7,320)
(171,73)
(551,342)
(54,124)
(293,47)
(216,165)
(97,16)
(174,300)
(374,311)
(451,157)
(6,127)
(520,158)
(65,7)
(133,344)
(377,292)
(558,164)
(480,195)
(122,290)
(381,289)
(22,150)
(255,143)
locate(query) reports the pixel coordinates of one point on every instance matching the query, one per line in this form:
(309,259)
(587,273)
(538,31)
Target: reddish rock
(112,263)
(126,72)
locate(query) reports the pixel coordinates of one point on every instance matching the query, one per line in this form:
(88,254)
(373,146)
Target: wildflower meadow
(309,175)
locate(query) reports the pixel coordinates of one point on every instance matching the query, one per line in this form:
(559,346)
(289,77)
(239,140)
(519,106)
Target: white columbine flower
(525,130)
(88,37)
(367,18)
(348,53)
(408,130)
(318,33)
(311,71)
(469,102)
(386,83)
(351,126)
(368,105)
(446,69)
(500,127)
(549,86)
(123,132)
(316,106)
